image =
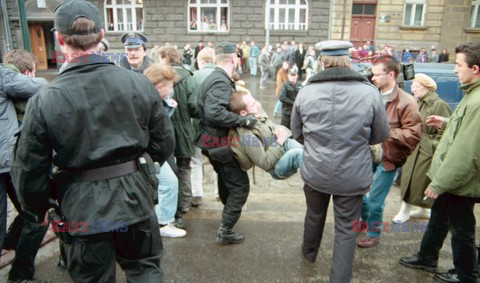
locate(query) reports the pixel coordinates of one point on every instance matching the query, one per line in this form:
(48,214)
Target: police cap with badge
(133,40)
(334,47)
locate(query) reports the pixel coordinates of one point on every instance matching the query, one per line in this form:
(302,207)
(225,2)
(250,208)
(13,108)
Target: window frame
(474,14)
(132,6)
(218,15)
(414,3)
(276,25)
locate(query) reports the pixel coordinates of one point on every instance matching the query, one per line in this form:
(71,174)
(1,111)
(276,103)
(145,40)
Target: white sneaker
(403,215)
(170,231)
(401,218)
(421,213)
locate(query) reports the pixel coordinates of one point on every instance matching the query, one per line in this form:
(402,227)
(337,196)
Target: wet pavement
(272,222)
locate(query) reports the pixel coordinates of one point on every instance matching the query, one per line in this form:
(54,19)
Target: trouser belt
(97,174)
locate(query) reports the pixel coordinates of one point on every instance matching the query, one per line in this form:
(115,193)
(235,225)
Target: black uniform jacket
(213,97)
(93,115)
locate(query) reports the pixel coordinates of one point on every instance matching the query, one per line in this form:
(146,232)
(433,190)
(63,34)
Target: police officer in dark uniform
(98,119)
(136,59)
(216,120)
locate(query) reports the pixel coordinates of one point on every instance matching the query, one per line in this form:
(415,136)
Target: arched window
(287,14)
(208,16)
(123,15)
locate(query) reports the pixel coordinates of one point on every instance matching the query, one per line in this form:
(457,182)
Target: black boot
(225,235)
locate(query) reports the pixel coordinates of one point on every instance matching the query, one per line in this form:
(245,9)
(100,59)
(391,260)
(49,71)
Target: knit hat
(426,81)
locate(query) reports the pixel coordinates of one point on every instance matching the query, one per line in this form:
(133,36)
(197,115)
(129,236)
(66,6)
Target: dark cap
(293,71)
(334,47)
(225,48)
(66,13)
(134,39)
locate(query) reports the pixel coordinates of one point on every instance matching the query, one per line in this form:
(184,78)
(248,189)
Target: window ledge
(208,32)
(472,30)
(288,32)
(413,28)
(111,32)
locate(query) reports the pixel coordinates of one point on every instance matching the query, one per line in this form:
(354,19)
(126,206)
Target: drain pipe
(24,25)
(6,26)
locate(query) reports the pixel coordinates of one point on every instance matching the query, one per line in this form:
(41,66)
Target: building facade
(182,21)
(407,24)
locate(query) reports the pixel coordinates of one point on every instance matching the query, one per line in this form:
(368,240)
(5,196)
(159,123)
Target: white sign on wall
(41,4)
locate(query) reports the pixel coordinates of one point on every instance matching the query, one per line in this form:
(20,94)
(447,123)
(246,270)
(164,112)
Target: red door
(363,22)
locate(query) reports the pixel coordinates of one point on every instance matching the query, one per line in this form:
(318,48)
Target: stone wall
(445,26)
(166,21)
(340,22)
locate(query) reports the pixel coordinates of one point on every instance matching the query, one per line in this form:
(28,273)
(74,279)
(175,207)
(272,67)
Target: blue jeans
(278,107)
(290,161)
(374,202)
(167,195)
(253,66)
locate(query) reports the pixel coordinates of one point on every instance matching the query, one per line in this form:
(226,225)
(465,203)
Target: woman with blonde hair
(163,77)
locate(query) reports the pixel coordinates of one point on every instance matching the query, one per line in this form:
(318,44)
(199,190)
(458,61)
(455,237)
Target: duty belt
(97,174)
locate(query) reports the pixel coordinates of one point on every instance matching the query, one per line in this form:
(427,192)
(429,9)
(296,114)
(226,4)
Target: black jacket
(287,94)
(93,115)
(213,96)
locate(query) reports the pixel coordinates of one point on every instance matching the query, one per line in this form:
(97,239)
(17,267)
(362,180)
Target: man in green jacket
(266,145)
(184,133)
(455,178)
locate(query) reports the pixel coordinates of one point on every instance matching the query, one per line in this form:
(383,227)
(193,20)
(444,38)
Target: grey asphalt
(272,222)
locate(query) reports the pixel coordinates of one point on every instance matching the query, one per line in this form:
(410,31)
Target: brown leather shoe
(367,242)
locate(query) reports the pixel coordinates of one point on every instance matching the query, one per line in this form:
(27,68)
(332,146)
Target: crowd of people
(125,144)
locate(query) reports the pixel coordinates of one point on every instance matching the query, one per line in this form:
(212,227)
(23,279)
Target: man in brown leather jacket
(405,131)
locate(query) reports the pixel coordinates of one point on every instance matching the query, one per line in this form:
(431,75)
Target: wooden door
(363,22)
(37,40)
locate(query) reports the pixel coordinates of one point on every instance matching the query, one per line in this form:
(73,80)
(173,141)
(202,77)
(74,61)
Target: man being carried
(266,145)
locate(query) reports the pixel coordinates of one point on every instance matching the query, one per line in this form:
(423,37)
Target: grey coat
(12,85)
(337,115)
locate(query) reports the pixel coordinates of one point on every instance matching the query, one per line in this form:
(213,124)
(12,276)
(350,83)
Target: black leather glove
(251,120)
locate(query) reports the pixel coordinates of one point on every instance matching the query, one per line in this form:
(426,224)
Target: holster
(149,170)
(221,154)
(61,233)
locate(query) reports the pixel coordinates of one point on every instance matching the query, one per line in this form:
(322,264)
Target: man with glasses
(405,131)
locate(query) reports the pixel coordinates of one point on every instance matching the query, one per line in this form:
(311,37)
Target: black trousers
(455,214)
(233,188)
(27,238)
(347,210)
(138,251)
